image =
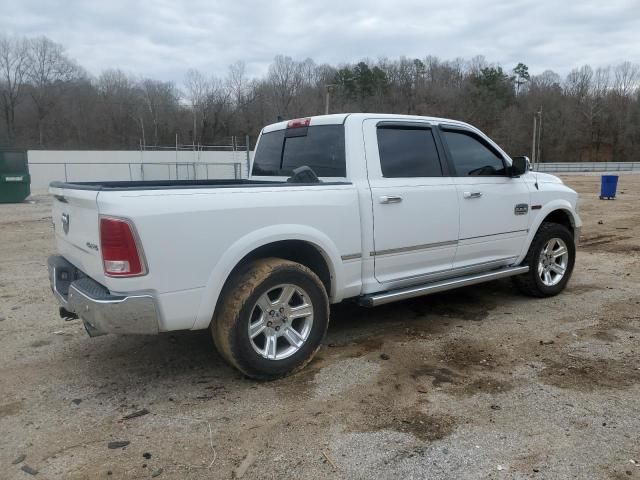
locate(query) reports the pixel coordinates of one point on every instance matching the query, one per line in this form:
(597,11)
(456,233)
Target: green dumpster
(15,181)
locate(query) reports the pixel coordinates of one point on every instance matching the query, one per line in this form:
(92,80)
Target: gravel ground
(477,383)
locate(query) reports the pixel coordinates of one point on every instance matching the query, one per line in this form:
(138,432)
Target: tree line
(49,101)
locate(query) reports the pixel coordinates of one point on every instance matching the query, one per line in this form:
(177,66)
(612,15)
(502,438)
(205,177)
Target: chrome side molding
(376,299)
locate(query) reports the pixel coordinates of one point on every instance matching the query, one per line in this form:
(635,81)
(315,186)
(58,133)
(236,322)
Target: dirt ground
(477,383)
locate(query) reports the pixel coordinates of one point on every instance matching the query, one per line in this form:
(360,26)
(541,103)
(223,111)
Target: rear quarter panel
(192,239)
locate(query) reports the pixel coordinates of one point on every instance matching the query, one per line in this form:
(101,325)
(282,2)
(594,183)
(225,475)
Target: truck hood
(547,178)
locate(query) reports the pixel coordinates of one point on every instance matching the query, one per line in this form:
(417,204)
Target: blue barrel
(608,186)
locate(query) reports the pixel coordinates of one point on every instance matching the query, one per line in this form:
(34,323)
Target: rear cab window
(320,147)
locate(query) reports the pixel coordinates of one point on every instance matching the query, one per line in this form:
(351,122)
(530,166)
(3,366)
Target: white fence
(568,167)
(46,166)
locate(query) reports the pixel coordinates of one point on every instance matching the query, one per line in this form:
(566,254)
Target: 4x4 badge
(521,209)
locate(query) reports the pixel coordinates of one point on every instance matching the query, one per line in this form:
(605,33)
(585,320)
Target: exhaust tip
(67,315)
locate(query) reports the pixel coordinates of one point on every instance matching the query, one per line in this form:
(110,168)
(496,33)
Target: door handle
(390,199)
(472,194)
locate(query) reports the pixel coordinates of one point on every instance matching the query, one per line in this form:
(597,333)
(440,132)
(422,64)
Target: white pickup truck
(380,208)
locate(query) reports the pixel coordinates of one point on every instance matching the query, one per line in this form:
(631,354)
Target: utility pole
(193,137)
(539,156)
(327,98)
(247,143)
(536,147)
(533,140)
(539,142)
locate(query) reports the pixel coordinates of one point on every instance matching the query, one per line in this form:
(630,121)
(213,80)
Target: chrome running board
(375,299)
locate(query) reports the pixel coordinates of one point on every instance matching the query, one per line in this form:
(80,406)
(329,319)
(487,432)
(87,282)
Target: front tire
(551,258)
(271,319)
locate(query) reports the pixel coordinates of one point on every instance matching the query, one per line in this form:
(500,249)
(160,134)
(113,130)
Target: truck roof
(338,118)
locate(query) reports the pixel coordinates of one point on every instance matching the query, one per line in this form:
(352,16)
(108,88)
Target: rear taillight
(121,255)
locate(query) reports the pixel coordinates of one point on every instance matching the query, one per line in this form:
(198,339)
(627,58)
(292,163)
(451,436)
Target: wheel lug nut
(269,324)
(272,312)
(277,328)
(281,309)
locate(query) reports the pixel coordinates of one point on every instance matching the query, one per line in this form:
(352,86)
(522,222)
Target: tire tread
(233,298)
(527,282)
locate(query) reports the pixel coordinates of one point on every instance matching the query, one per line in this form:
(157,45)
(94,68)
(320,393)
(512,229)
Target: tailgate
(75,222)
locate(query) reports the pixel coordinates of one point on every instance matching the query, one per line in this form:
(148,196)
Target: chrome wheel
(280,322)
(553,261)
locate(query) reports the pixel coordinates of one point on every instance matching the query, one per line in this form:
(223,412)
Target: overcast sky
(163,39)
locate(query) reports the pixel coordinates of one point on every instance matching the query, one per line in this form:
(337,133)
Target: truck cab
(437,196)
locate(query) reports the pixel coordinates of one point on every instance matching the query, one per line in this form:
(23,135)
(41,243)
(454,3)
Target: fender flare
(558,204)
(254,240)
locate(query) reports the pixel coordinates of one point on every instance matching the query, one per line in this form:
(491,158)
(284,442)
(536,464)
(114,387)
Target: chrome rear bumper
(101,311)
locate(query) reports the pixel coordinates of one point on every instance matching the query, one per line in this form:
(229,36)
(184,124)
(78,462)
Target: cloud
(163,39)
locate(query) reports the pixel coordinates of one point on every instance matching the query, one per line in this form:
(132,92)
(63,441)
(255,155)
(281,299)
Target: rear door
(76,226)
(414,201)
(494,208)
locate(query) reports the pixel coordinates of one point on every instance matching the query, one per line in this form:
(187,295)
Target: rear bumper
(101,311)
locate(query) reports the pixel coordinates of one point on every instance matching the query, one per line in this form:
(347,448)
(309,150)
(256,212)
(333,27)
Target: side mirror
(520,166)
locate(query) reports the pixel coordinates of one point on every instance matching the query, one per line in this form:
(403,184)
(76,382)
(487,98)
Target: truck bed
(181,184)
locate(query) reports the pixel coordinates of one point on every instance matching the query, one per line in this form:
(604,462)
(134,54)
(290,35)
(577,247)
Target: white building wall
(46,166)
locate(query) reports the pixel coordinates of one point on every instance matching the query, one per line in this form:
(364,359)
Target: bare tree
(159,98)
(209,98)
(240,87)
(50,74)
(121,105)
(547,79)
(477,64)
(14,65)
(627,77)
(197,87)
(284,79)
(578,82)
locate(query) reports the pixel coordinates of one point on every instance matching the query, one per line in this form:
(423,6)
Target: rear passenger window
(320,147)
(268,156)
(472,156)
(408,152)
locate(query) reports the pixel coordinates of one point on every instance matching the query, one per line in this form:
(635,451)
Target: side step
(375,299)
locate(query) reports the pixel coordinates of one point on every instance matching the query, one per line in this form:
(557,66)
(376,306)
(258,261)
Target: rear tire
(271,319)
(551,258)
